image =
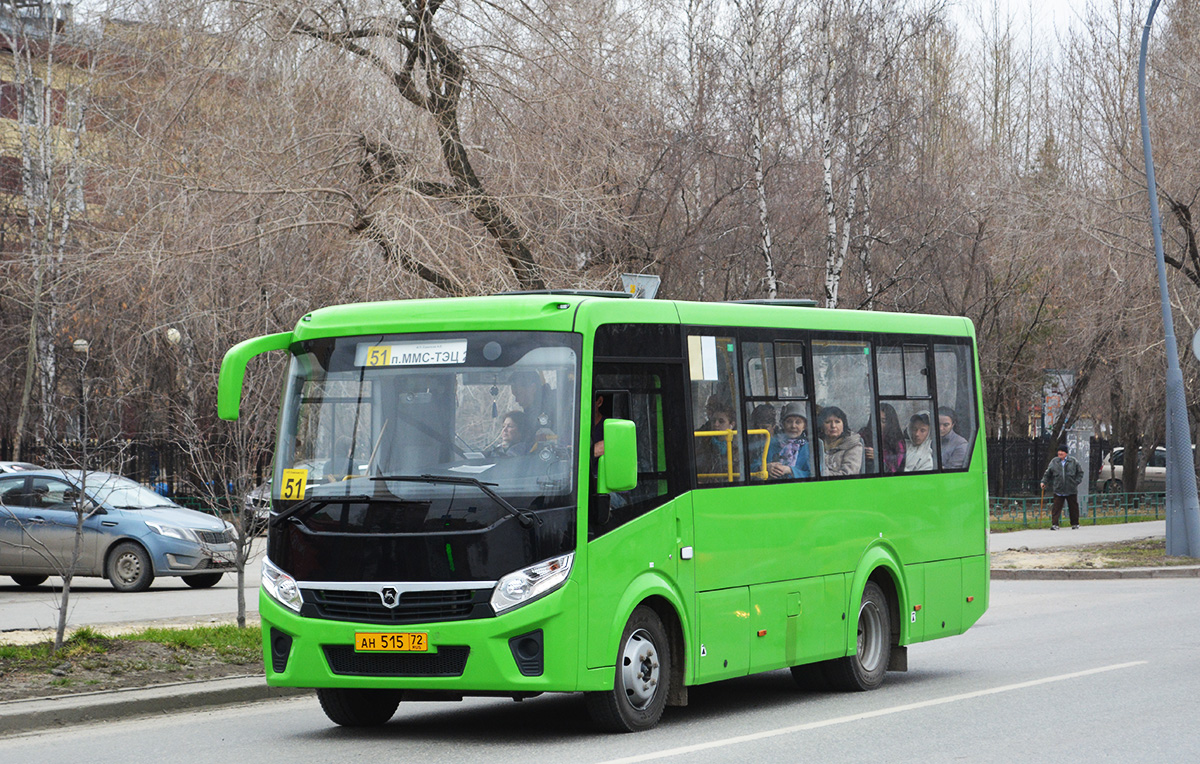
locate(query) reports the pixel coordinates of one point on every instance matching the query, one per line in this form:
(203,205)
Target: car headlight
(530,583)
(170,531)
(280,586)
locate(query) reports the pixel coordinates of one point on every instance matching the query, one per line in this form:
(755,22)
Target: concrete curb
(43,713)
(1091,574)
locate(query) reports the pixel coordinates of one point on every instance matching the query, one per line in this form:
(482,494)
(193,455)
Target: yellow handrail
(729,435)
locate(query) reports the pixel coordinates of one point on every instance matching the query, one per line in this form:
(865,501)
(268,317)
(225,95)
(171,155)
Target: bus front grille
(413,607)
(447,661)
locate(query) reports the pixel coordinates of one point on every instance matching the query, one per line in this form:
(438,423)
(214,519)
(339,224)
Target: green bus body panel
(233,370)
(517,312)
(778,569)
(633,563)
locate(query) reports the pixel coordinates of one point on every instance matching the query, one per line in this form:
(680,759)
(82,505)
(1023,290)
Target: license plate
(392,642)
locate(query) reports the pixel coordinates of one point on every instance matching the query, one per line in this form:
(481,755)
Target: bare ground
(112,664)
(1140,553)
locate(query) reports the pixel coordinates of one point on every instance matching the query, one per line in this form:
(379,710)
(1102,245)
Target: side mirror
(616,470)
(91,509)
(233,370)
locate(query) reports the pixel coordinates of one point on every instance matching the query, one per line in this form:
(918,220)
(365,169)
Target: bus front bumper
(531,649)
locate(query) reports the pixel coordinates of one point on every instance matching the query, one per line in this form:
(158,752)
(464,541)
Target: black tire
(129,568)
(643,677)
(1113,486)
(203,580)
(29,580)
(359,708)
(865,669)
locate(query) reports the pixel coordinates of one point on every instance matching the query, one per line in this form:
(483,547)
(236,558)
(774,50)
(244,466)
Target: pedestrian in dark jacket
(1063,476)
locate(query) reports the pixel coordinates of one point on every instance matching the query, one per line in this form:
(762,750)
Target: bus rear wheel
(643,677)
(864,669)
(359,707)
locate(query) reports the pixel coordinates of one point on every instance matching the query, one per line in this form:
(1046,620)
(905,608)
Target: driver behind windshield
(536,401)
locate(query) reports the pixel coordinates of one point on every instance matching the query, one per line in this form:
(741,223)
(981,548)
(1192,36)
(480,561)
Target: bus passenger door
(636,538)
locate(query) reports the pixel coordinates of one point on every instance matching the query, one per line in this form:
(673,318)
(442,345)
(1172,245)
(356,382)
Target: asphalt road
(95,603)
(1062,671)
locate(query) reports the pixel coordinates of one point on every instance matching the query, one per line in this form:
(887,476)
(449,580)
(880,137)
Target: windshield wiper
(314,502)
(526,518)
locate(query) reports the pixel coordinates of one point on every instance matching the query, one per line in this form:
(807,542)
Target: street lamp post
(1183,506)
(82,347)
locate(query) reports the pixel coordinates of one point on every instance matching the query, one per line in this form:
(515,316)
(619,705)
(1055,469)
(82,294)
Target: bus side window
(712,365)
(906,421)
(644,394)
(956,404)
(845,397)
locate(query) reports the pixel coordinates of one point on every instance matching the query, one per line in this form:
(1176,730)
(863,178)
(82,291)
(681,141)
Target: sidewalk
(44,713)
(1045,538)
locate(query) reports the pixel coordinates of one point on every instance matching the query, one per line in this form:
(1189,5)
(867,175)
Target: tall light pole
(1183,507)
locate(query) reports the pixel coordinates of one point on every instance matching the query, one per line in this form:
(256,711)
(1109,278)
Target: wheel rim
(129,568)
(870,636)
(639,669)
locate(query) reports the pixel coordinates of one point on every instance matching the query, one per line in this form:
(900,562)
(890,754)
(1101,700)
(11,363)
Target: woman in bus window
(918,455)
(789,453)
(892,437)
(712,451)
(514,439)
(842,448)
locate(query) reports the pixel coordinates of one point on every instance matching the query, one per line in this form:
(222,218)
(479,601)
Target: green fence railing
(1101,508)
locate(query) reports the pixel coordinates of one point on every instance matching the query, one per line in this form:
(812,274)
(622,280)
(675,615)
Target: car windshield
(497,407)
(124,493)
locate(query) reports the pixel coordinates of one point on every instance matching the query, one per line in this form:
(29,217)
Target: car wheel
(865,669)
(643,677)
(359,708)
(129,568)
(1113,486)
(29,581)
(203,580)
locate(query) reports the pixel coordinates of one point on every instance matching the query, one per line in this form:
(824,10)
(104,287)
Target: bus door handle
(686,553)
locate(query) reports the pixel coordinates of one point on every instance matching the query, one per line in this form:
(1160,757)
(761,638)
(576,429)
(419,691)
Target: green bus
(581,492)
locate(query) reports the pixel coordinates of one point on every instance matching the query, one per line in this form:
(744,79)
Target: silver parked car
(130,533)
(1112,472)
(18,467)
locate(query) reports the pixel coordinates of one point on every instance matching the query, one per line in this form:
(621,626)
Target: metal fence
(1015,465)
(1100,508)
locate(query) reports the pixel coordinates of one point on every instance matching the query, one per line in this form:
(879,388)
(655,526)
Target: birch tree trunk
(833,263)
(753,21)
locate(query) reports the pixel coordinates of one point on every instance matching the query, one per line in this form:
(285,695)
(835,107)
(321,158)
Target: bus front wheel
(643,677)
(864,669)
(359,707)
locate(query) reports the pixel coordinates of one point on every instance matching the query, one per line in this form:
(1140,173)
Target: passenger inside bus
(716,446)
(918,452)
(841,447)
(761,433)
(790,454)
(514,437)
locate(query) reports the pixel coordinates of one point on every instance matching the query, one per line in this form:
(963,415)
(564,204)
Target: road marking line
(669,752)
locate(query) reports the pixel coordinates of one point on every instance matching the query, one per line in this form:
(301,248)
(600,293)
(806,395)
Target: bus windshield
(454,410)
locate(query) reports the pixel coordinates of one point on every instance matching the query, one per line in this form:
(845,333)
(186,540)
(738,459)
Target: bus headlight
(280,586)
(530,583)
